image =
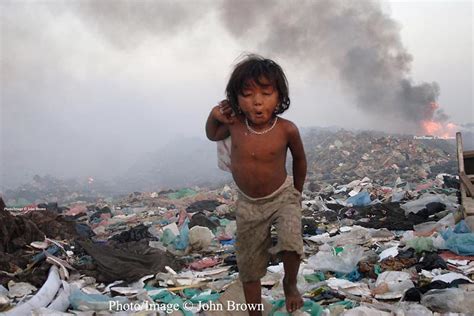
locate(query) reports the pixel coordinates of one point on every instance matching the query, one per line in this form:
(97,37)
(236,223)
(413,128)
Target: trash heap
(372,247)
(49,188)
(344,156)
(369,248)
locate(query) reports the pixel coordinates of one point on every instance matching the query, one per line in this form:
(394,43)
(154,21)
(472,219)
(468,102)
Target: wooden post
(460,152)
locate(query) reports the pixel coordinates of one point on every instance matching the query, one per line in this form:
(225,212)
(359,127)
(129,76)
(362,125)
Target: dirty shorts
(255,217)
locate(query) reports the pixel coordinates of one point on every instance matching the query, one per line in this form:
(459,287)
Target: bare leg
(291,264)
(253,295)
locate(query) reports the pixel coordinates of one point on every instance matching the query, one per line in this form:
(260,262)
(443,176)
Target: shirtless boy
(257,92)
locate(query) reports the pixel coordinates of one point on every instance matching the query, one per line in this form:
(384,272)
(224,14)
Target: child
(256,93)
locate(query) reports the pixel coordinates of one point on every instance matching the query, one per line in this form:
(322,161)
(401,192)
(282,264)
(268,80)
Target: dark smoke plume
(356,39)
(127,23)
(360,42)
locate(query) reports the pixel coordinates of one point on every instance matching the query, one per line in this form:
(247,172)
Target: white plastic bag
(345,261)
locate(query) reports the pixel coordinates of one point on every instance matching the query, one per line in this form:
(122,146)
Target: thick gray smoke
(356,38)
(88,87)
(127,23)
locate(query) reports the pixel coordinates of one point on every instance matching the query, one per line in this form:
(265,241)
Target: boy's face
(258,102)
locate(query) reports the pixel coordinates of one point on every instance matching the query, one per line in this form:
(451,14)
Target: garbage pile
(393,245)
(344,156)
(400,250)
(50,189)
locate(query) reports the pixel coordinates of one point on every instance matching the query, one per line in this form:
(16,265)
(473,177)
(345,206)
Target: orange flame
(439,129)
(435,127)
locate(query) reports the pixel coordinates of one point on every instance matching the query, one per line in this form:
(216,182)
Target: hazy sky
(88,87)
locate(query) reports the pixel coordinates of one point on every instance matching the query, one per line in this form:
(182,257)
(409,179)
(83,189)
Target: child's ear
(278,108)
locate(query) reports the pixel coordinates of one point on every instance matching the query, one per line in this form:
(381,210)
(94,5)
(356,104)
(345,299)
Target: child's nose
(257,99)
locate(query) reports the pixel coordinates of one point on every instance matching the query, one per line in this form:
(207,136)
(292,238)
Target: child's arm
(217,123)
(299,157)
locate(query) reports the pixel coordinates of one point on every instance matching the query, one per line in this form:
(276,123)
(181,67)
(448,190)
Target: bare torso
(258,161)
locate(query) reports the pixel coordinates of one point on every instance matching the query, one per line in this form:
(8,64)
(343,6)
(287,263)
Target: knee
(289,254)
(251,283)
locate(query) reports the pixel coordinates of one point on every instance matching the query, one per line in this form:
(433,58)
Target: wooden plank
(468,154)
(463,192)
(460,152)
(465,180)
(468,204)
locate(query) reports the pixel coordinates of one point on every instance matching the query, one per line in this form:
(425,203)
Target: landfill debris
(392,284)
(19,289)
(452,300)
(381,222)
(200,238)
(341,259)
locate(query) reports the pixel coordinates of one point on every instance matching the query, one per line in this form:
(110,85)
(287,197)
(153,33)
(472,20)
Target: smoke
(354,38)
(87,84)
(127,24)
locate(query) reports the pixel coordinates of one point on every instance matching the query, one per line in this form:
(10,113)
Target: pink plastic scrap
(182,217)
(78,209)
(204,263)
(225,236)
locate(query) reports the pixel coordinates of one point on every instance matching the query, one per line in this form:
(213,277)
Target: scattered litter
(381,223)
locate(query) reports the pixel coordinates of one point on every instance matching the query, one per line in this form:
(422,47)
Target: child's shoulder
(288,126)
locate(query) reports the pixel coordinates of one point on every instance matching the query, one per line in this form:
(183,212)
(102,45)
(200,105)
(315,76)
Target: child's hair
(253,68)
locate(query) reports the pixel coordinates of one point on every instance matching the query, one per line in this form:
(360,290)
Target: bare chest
(266,147)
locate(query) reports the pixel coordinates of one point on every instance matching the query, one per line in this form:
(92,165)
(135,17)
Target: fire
(431,127)
(437,125)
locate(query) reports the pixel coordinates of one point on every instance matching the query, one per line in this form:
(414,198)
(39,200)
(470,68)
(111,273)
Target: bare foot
(292,296)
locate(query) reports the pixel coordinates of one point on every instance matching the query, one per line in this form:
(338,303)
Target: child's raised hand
(223,112)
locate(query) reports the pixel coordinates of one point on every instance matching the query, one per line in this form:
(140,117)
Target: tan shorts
(255,217)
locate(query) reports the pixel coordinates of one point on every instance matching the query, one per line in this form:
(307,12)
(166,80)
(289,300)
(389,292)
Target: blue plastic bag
(182,241)
(228,242)
(462,228)
(94,302)
(360,199)
(462,244)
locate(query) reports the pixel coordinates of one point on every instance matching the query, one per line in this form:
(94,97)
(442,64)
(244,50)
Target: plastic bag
(205,296)
(168,237)
(182,241)
(200,237)
(462,244)
(223,154)
(462,228)
(417,205)
(421,244)
(181,194)
(449,300)
(438,242)
(426,228)
(412,309)
(313,308)
(345,261)
(357,235)
(397,282)
(360,199)
(94,302)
